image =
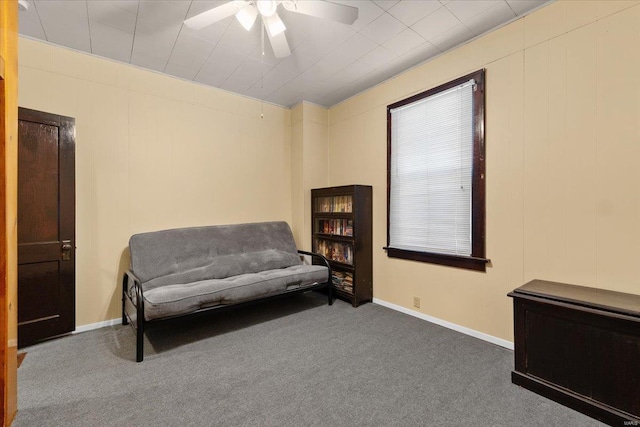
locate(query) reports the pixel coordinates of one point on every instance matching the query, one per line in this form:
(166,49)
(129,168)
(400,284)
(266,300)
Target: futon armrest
(322,258)
(130,277)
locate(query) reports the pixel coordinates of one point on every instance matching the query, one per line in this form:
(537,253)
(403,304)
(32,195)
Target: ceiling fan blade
(323,9)
(279,44)
(274,24)
(216,14)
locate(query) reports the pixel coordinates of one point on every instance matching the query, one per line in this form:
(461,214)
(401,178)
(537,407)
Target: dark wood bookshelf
(341,230)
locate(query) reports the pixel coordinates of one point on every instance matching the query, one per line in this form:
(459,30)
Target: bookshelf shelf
(341,231)
(334,237)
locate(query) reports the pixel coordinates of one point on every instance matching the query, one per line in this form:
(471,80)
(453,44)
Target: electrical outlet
(416,302)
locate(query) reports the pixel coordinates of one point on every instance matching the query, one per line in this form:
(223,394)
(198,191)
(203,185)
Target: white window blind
(431,173)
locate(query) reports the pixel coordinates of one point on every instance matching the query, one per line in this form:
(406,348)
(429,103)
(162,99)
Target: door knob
(66,250)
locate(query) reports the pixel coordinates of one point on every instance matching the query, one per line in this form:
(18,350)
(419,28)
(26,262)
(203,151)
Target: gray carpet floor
(290,362)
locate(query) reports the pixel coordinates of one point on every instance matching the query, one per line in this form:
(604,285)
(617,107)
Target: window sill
(458,261)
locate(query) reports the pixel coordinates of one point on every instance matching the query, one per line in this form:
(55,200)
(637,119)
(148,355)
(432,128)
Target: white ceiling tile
(332,63)
(383,28)
(401,64)
(465,9)
(220,55)
(110,13)
(315,90)
(148,62)
(274,81)
(521,7)
(294,64)
(130,6)
(29,24)
(356,70)
(194,45)
(295,38)
(357,46)
(51,9)
(190,51)
(491,18)
(360,85)
(420,54)
(297,22)
(385,4)
(269,56)
(241,40)
(184,72)
(251,69)
(218,67)
(210,78)
(383,74)
(329,32)
(165,12)
(333,98)
(211,33)
(254,92)
(150,47)
(367,12)
(455,36)
(237,84)
(65,23)
(66,31)
(110,42)
(404,42)
(378,57)
(155,41)
(411,11)
(199,6)
(312,50)
(245,75)
(296,85)
(285,96)
(435,24)
(340,80)
(311,76)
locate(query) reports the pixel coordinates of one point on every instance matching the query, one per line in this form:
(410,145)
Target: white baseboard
(449,325)
(98,325)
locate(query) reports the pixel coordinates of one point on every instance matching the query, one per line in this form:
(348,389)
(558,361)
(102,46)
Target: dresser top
(616,302)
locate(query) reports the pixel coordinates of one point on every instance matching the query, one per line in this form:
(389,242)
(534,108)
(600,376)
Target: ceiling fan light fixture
(266,7)
(274,25)
(247,16)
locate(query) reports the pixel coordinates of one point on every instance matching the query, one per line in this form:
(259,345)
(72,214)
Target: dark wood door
(46,226)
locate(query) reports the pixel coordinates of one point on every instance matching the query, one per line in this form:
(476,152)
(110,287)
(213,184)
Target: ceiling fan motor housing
(266,7)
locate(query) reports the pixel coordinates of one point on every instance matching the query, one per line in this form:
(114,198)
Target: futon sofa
(187,270)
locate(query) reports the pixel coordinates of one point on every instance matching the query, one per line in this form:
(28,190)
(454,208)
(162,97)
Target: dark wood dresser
(580,347)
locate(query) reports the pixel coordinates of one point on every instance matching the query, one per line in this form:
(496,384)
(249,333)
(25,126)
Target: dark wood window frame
(477,260)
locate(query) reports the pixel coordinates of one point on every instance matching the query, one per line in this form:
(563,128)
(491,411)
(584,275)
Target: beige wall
(563,161)
(154,152)
(309,144)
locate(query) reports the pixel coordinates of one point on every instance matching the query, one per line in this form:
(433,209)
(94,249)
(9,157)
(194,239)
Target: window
(435,175)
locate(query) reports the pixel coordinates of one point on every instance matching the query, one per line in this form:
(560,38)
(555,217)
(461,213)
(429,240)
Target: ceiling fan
(247,11)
